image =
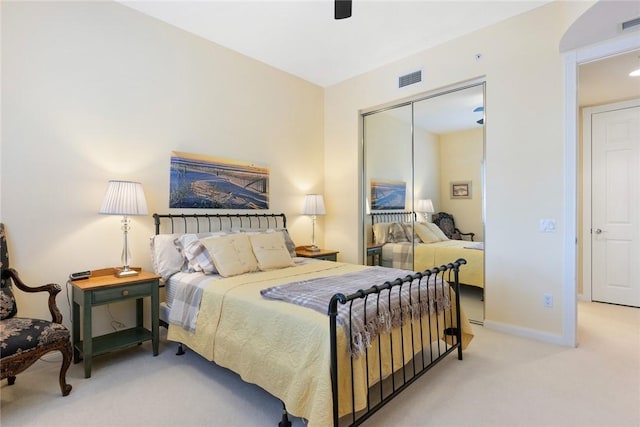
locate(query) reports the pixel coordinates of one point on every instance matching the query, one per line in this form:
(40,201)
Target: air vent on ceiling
(409,79)
(630,23)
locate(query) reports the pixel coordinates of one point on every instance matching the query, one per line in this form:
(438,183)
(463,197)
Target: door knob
(598,231)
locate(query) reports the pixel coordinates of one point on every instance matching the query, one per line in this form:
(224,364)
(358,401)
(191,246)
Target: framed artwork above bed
(388,195)
(198,181)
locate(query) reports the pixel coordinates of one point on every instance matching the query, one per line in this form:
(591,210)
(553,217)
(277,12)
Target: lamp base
(313,248)
(126,272)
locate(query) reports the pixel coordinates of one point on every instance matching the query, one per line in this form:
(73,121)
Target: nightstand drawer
(121,292)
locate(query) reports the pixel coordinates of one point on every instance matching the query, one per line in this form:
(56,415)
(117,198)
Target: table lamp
(124,198)
(314,206)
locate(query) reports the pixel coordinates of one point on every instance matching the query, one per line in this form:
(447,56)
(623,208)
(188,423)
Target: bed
(336,364)
(411,244)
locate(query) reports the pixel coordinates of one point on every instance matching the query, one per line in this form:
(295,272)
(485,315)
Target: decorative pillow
(410,232)
(291,247)
(183,240)
(425,233)
(396,233)
(288,241)
(165,255)
(198,258)
(270,251)
(436,230)
(232,254)
(381,232)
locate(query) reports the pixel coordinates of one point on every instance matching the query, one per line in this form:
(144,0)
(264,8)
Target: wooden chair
(445,222)
(24,340)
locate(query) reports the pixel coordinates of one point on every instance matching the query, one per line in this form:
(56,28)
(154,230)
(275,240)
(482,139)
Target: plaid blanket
(186,301)
(407,302)
(403,255)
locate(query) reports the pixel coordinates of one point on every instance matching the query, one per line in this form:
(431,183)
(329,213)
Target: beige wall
(101,92)
(93,91)
(524,155)
(461,155)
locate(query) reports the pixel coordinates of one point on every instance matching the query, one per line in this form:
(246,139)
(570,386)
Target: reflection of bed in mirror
(413,245)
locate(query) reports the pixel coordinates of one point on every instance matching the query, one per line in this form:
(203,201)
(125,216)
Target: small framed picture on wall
(461,190)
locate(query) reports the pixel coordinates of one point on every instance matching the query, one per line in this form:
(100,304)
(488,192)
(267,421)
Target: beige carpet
(503,381)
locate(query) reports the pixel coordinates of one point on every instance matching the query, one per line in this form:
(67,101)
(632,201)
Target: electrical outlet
(548,300)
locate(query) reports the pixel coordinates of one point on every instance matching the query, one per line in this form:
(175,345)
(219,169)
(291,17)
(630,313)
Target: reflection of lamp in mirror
(313,205)
(124,198)
(425,207)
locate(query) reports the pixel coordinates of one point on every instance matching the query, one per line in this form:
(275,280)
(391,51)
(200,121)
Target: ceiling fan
(342,9)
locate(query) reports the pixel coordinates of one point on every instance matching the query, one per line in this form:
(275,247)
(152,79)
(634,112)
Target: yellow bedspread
(282,347)
(428,255)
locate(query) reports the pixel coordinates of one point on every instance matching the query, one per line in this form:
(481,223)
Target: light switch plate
(548,225)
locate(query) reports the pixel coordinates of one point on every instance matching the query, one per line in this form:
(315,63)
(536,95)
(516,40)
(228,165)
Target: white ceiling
(301,37)
(607,80)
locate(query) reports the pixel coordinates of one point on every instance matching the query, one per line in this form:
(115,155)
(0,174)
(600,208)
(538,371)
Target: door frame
(587,114)
(572,60)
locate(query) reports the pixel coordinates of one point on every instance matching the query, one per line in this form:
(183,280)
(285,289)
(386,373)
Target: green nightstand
(104,288)
(375,252)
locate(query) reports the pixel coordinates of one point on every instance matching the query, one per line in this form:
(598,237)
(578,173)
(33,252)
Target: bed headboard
(397,216)
(201,223)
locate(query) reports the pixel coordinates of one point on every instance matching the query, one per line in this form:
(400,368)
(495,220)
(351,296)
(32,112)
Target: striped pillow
(198,258)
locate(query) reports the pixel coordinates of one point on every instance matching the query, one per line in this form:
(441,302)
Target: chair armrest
(466,234)
(52,288)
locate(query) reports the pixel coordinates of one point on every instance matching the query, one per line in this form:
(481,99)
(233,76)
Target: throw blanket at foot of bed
(281,347)
(412,301)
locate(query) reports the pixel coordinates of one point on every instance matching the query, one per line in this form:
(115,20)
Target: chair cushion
(19,334)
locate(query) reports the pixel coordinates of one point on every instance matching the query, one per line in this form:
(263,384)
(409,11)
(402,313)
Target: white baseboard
(525,332)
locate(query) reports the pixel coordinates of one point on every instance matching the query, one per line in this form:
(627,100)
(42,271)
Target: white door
(615,211)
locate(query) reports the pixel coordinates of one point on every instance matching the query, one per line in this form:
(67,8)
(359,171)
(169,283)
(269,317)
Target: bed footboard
(381,382)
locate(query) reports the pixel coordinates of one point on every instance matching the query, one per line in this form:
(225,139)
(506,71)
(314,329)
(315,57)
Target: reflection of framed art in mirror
(388,194)
(461,190)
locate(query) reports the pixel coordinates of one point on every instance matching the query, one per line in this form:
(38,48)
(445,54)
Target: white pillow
(271,251)
(165,256)
(436,230)
(425,233)
(232,254)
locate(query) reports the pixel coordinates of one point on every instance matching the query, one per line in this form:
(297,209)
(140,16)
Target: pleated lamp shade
(314,205)
(124,198)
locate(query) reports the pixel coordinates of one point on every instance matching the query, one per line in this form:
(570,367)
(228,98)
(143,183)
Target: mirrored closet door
(423,187)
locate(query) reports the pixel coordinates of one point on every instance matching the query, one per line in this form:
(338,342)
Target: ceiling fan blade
(342,9)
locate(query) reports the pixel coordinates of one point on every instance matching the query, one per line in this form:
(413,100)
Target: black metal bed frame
(404,374)
(191,223)
(392,216)
(408,371)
